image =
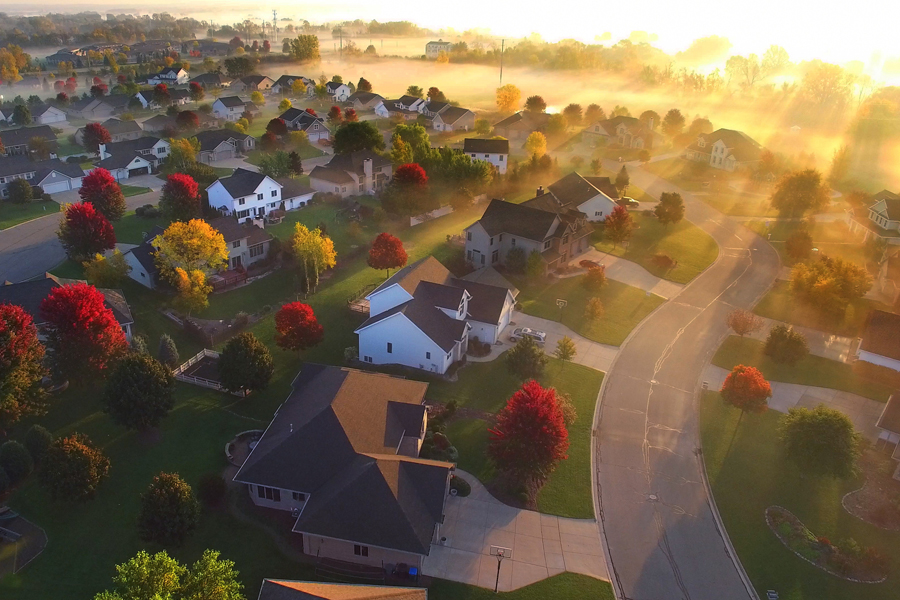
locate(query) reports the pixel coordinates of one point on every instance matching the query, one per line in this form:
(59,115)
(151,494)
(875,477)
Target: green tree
(37,441)
(415,91)
(573,115)
(20,191)
(140,392)
(565,349)
(245,364)
(16,461)
(556,125)
(106,272)
(622,180)
(416,138)
(169,511)
(820,441)
(536,144)
(526,360)
(535,104)
(534,266)
(212,578)
(840,165)
(21,115)
(594,279)
(516,260)
(618,226)
(670,208)
(356,136)
(799,191)
(73,468)
(167,352)
(785,345)
(593,310)
(482,127)
(830,284)
(673,123)
(799,245)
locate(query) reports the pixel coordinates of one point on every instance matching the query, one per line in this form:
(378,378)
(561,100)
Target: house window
(256,250)
(495,256)
(468,234)
(500,158)
(343,188)
(316,126)
(161,150)
(274,193)
(469,255)
(513,242)
(501,237)
(492,241)
(236,244)
(390,348)
(547,244)
(337,190)
(241,202)
(360,550)
(367,359)
(267,493)
(428,355)
(259,196)
(298,496)
(473,155)
(243,213)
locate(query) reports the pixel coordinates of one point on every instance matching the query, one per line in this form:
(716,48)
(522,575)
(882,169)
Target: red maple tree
(269,142)
(94,135)
(102,190)
(277,127)
(411,175)
(617,226)
(82,331)
(161,94)
(84,231)
(296,327)
(350,116)
(196,90)
(180,198)
(387,253)
(62,97)
(335,115)
(59,85)
(745,388)
(187,119)
(529,437)
(312,112)
(21,365)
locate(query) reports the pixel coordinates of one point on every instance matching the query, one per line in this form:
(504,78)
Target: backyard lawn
(130,229)
(625,306)
(692,248)
(750,475)
(254,157)
(12,214)
(812,370)
(832,239)
(486,387)
(779,304)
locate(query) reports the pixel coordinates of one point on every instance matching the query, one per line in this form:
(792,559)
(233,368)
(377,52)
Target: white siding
(878,359)
(382,300)
(597,208)
(219,198)
(315,545)
(480,246)
(498,160)
(138,272)
(485,332)
(409,346)
(286,502)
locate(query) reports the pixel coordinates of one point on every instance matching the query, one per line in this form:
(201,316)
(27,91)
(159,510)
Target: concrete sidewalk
(820,343)
(630,273)
(864,412)
(588,353)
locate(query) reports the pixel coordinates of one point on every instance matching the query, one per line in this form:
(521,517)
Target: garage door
(140,171)
(53,188)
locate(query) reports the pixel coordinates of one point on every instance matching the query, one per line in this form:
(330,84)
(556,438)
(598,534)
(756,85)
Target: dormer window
(701,142)
(547,244)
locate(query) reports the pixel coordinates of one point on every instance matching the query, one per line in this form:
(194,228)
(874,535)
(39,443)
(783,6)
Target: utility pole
(502,42)
(274,26)
(341,30)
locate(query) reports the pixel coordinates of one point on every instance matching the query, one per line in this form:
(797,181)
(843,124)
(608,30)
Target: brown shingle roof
(276,589)
(882,334)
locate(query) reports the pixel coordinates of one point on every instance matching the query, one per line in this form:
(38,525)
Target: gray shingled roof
(353,161)
(117,126)
(23,135)
(30,294)
(516,219)
(242,182)
(480,146)
(332,175)
(486,302)
(232,230)
(890,416)
(231,101)
(409,277)
(452,114)
(211,138)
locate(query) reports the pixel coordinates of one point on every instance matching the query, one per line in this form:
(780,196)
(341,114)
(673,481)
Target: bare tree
(743,322)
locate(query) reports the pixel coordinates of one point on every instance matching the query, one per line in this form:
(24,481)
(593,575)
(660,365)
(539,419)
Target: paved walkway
(864,412)
(820,343)
(538,546)
(588,353)
(628,272)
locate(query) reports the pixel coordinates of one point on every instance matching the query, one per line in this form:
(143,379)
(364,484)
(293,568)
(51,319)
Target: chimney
(369,185)
(650,124)
(540,191)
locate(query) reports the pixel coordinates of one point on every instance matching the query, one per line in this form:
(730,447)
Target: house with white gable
(284,85)
(595,197)
(725,149)
(245,194)
(422,317)
(52,176)
(301,120)
(131,158)
(222,144)
(170,76)
(495,152)
(433,49)
(339,92)
(230,108)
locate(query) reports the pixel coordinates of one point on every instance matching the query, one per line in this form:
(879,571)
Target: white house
(131,158)
(247,243)
(341,455)
(123,166)
(495,152)
(594,196)
(390,108)
(170,76)
(433,49)
(252,83)
(725,149)
(301,120)
(294,195)
(339,92)
(422,317)
(44,114)
(142,261)
(881,218)
(230,108)
(52,176)
(245,194)
(880,343)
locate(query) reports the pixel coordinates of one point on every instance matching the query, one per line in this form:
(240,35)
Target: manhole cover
(653,498)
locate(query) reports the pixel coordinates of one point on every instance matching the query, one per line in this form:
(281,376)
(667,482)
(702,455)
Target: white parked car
(522,332)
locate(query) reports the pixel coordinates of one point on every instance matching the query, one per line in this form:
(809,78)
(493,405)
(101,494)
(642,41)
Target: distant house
(341,455)
(557,236)
(280,589)
(433,49)
(15,141)
(170,76)
(209,81)
(338,92)
(52,176)
(880,344)
(245,194)
(623,132)
(495,152)
(119,131)
(142,260)
(131,158)
(98,109)
(725,149)
(251,83)
(160,123)
(177,97)
(30,294)
(294,195)
(229,108)
(880,219)
(387,109)
(520,125)
(300,120)
(247,243)
(364,100)
(208,47)
(454,118)
(284,85)
(595,197)
(64,55)
(353,174)
(42,114)
(222,144)
(422,317)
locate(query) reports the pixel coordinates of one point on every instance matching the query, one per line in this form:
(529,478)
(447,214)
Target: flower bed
(846,560)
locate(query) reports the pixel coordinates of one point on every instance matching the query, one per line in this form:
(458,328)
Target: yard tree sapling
(169,511)
(534,266)
(746,389)
(101,189)
(565,349)
(387,253)
(180,199)
(161,94)
(296,327)
(20,191)
(526,360)
(257,98)
(245,364)
(595,166)
(618,226)
(594,310)
(821,441)
(350,116)
(107,272)
(167,352)
(313,249)
(595,278)
(335,116)
(536,144)
(73,468)
(743,322)
(622,180)
(139,392)
(482,127)
(295,164)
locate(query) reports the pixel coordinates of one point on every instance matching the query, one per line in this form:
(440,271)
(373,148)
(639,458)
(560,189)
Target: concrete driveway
(630,273)
(538,546)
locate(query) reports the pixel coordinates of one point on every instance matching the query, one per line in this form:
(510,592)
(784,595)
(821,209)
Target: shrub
(663,261)
(15,460)
(37,440)
(169,510)
(588,264)
(570,415)
(212,489)
(461,486)
(594,310)
(516,260)
(595,279)
(786,346)
(168,352)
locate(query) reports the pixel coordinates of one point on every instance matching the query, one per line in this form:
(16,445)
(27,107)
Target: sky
(864,30)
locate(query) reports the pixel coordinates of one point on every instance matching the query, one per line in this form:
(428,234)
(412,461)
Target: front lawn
(12,214)
(692,248)
(830,238)
(779,304)
(812,370)
(130,229)
(486,387)
(750,475)
(133,190)
(625,306)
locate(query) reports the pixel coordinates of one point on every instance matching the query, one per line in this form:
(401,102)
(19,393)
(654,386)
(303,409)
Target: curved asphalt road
(660,530)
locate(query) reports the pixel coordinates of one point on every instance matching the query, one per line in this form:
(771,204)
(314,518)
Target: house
(245,194)
(131,158)
(280,589)
(422,317)
(177,97)
(880,343)
(888,425)
(364,100)
(557,236)
(454,118)
(161,123)
(30,294)
(301,120)
(229,108)
(209,81)
(880,219)
(294,194)
(339,92)
(170,76)
(52,176)
(247,243)
(341,456)
(16,141)
(725,149)
(44,114)
(495,152)
(208,47)
(520,125)
(432,48)
(141,259)
(284,85)
(222,144)
(887,278)
(98,109)
(407,102)
(595,197)
(64,55)
(387,109)
(353,174)
(622,132)
(251,83)
(119,131)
